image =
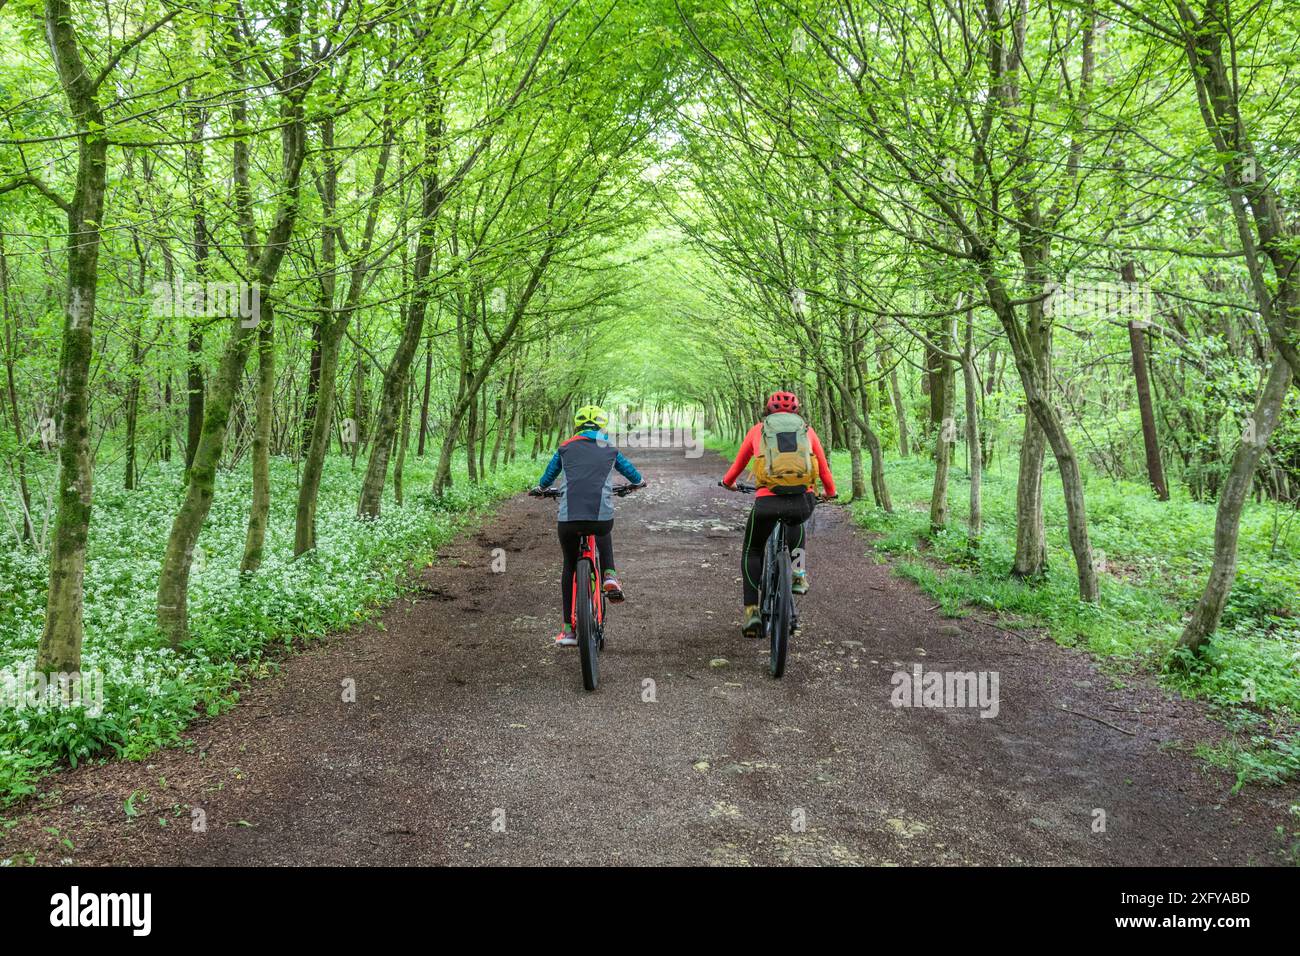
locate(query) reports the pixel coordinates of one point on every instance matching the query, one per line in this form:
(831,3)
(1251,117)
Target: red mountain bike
(588,596)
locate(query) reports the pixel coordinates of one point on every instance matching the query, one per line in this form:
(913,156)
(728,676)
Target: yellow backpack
(784,461)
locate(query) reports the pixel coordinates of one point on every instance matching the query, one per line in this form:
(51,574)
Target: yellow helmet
(589,415)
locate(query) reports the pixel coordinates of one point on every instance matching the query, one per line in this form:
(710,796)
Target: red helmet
(782,402)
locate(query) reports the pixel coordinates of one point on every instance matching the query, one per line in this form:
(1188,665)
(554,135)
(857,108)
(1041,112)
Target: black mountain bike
(776,594)
(589,603)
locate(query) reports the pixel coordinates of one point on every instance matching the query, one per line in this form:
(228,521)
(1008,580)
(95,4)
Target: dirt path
(472,741)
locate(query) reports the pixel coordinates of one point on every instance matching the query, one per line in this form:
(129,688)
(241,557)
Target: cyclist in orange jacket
(789,497)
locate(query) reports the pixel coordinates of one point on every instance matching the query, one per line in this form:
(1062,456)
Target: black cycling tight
(794,510)
(570,532)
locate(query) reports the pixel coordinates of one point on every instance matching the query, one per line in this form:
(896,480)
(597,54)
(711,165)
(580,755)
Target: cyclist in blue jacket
(588,462)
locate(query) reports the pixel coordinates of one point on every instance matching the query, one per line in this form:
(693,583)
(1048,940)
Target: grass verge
(1154,557)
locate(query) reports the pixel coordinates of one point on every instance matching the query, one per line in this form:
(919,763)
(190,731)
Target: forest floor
(471,740)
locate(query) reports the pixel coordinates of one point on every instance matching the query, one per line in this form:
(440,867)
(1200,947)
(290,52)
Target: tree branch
(128,46)
(40,187)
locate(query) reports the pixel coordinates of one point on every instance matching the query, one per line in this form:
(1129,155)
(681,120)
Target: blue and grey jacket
(588,462)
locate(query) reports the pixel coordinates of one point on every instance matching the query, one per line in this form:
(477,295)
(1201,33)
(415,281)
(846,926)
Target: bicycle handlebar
(621,490)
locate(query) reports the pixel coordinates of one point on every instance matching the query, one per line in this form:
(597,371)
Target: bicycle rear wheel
(782,622)
(588,631)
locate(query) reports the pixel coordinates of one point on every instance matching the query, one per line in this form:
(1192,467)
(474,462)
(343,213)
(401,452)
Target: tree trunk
(933,387)
(970,386)
(900,412)
(60,646)
(194,166)
(483,425)
(28,533)
(1035,379)
(1227,521)
(878,486)
(333,330)
(441,478)
(129,472)
(512,438)
(1030,562)
(164,413)
(372,487)
(499,415)
(471,434)
(435,193)
(314,362)
(173,584)
(859,482)
(360,428)
(313,465)
(1137,346)
(424,401)
(942,380)
(260,458)
(403,439)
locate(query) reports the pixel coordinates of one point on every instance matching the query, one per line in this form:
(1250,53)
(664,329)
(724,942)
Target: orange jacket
(749,448)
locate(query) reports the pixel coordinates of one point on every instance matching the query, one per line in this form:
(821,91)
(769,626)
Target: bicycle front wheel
(588,631)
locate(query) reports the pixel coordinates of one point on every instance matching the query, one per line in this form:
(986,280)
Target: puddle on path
(692,525)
